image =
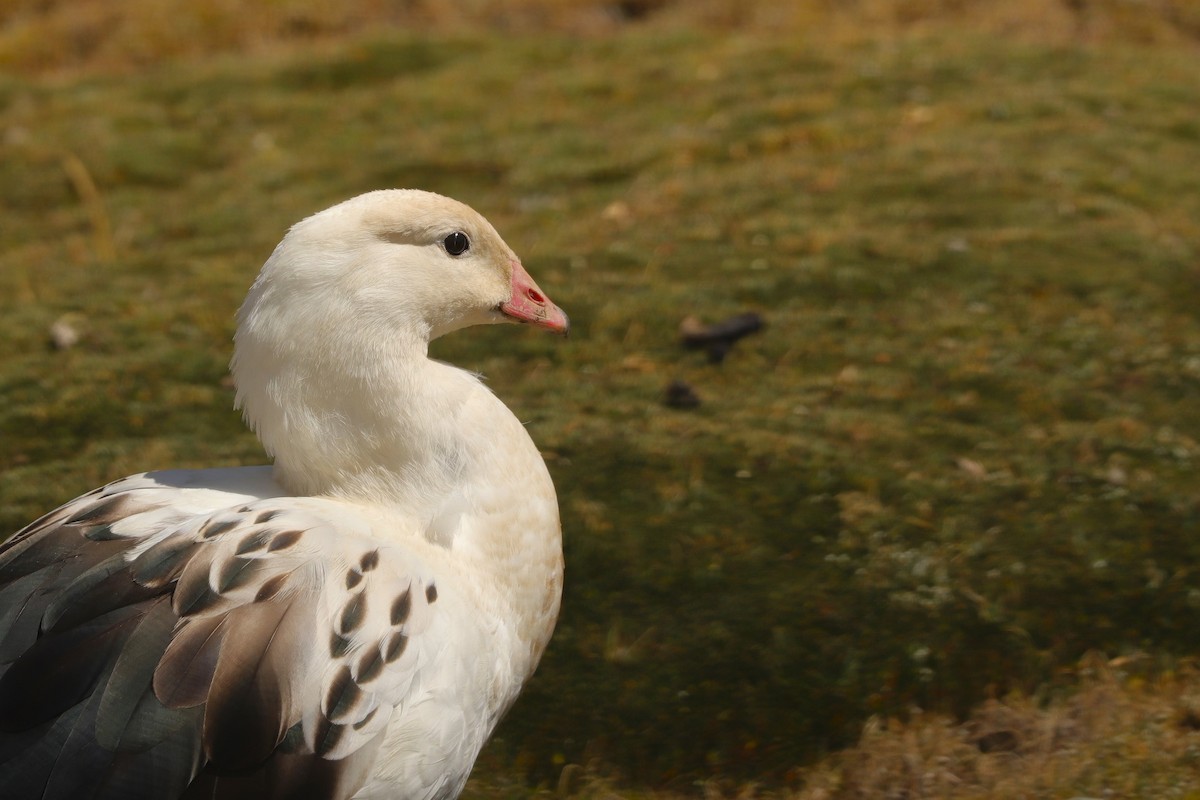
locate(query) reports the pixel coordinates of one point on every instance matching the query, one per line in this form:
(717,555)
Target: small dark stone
(997,742)
(631,10)
(680,395)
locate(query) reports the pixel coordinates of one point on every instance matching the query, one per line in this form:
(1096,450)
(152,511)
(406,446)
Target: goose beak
(530,306)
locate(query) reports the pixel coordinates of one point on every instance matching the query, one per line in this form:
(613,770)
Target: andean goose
(353,621)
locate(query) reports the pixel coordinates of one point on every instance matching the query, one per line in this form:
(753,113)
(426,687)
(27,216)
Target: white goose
(350,623)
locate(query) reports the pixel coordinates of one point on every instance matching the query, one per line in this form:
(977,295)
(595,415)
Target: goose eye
(457,243)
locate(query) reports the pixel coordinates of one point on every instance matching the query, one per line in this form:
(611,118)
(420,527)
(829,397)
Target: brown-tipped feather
(291,776)
(250,705)
(234,572)
(342,699)
(353,613)
(104,512)
(162,563)
(193,592)
(185,672)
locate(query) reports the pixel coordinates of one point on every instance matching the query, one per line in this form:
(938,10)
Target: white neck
(366,428)
(425,439)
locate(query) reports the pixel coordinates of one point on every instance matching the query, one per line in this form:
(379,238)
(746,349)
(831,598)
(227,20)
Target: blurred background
(927,526)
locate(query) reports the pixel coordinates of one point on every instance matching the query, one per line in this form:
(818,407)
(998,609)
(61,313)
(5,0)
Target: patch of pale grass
(1115,736)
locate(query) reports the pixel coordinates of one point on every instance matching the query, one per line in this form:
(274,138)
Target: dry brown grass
(1115,737)
(1118,734)
(53,36)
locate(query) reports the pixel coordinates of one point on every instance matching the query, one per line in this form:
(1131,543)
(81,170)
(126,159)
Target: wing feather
(21,605)
(124,693)
(60,671)
(105,587)
(249,705)
(258,648)
(184,674)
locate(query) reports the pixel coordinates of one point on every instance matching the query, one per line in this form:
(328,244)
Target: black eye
(457,243)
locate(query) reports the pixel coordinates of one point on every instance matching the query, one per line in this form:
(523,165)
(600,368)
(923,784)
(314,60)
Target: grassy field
(954,474)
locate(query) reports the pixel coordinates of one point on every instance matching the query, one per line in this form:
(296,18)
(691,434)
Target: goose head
(417,262)
(336,328)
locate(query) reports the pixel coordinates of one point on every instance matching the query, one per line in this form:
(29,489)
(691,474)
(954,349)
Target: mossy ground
(961,455)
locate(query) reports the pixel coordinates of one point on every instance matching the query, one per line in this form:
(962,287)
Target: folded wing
(259,648)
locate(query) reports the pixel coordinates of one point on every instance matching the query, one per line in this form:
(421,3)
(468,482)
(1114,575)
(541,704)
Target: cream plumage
(353,621)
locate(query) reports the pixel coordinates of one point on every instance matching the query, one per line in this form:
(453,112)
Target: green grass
(961,455)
